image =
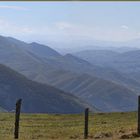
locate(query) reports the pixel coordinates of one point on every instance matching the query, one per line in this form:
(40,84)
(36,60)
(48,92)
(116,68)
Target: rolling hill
(42,50)
(37,98)
(126,63)
(105,95)
(97,57)
(74,64)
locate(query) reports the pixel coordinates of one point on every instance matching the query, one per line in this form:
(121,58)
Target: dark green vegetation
(36,97)
(105,88)
(42,126)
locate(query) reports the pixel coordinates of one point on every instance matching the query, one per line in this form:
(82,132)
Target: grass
(63,127)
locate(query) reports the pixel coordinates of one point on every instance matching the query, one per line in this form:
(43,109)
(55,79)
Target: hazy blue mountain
(97,57)
(64,72)
(80,66)
(33,64)
(128,60)
(20,59)
(133,43)
(37,98)
(81,45)
(128,63)
(123,66)
(105,95)
(42,50)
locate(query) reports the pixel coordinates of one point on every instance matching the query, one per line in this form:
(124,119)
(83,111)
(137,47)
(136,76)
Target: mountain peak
(43,50)
(35,43)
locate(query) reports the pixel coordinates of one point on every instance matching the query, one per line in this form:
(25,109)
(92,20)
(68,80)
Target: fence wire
(53,126)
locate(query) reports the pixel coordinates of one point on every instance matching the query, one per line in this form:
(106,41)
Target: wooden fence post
(139,115)
(86,123)
(17,117)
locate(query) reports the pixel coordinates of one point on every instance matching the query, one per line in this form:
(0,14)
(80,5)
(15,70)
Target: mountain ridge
(60,70)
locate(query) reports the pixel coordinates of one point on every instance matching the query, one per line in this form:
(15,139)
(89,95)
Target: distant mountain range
(126,63)
(85,44)
(92,79)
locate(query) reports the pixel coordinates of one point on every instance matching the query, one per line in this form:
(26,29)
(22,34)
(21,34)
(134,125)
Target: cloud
(10,28)
(138,34)
(63,30)
(63,25)
(13,7)
(124,27)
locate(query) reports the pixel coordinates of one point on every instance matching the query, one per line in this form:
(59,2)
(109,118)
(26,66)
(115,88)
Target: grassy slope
(43,126)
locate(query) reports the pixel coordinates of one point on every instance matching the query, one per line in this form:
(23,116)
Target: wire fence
(56,126)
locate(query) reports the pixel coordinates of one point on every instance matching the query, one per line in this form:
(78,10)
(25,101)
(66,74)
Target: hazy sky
(66,21)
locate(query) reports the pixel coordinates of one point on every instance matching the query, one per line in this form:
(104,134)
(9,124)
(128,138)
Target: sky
(70,21)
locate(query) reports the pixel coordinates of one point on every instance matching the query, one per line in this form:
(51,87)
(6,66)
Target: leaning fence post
(139,115)
(86,123)
(17,117)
